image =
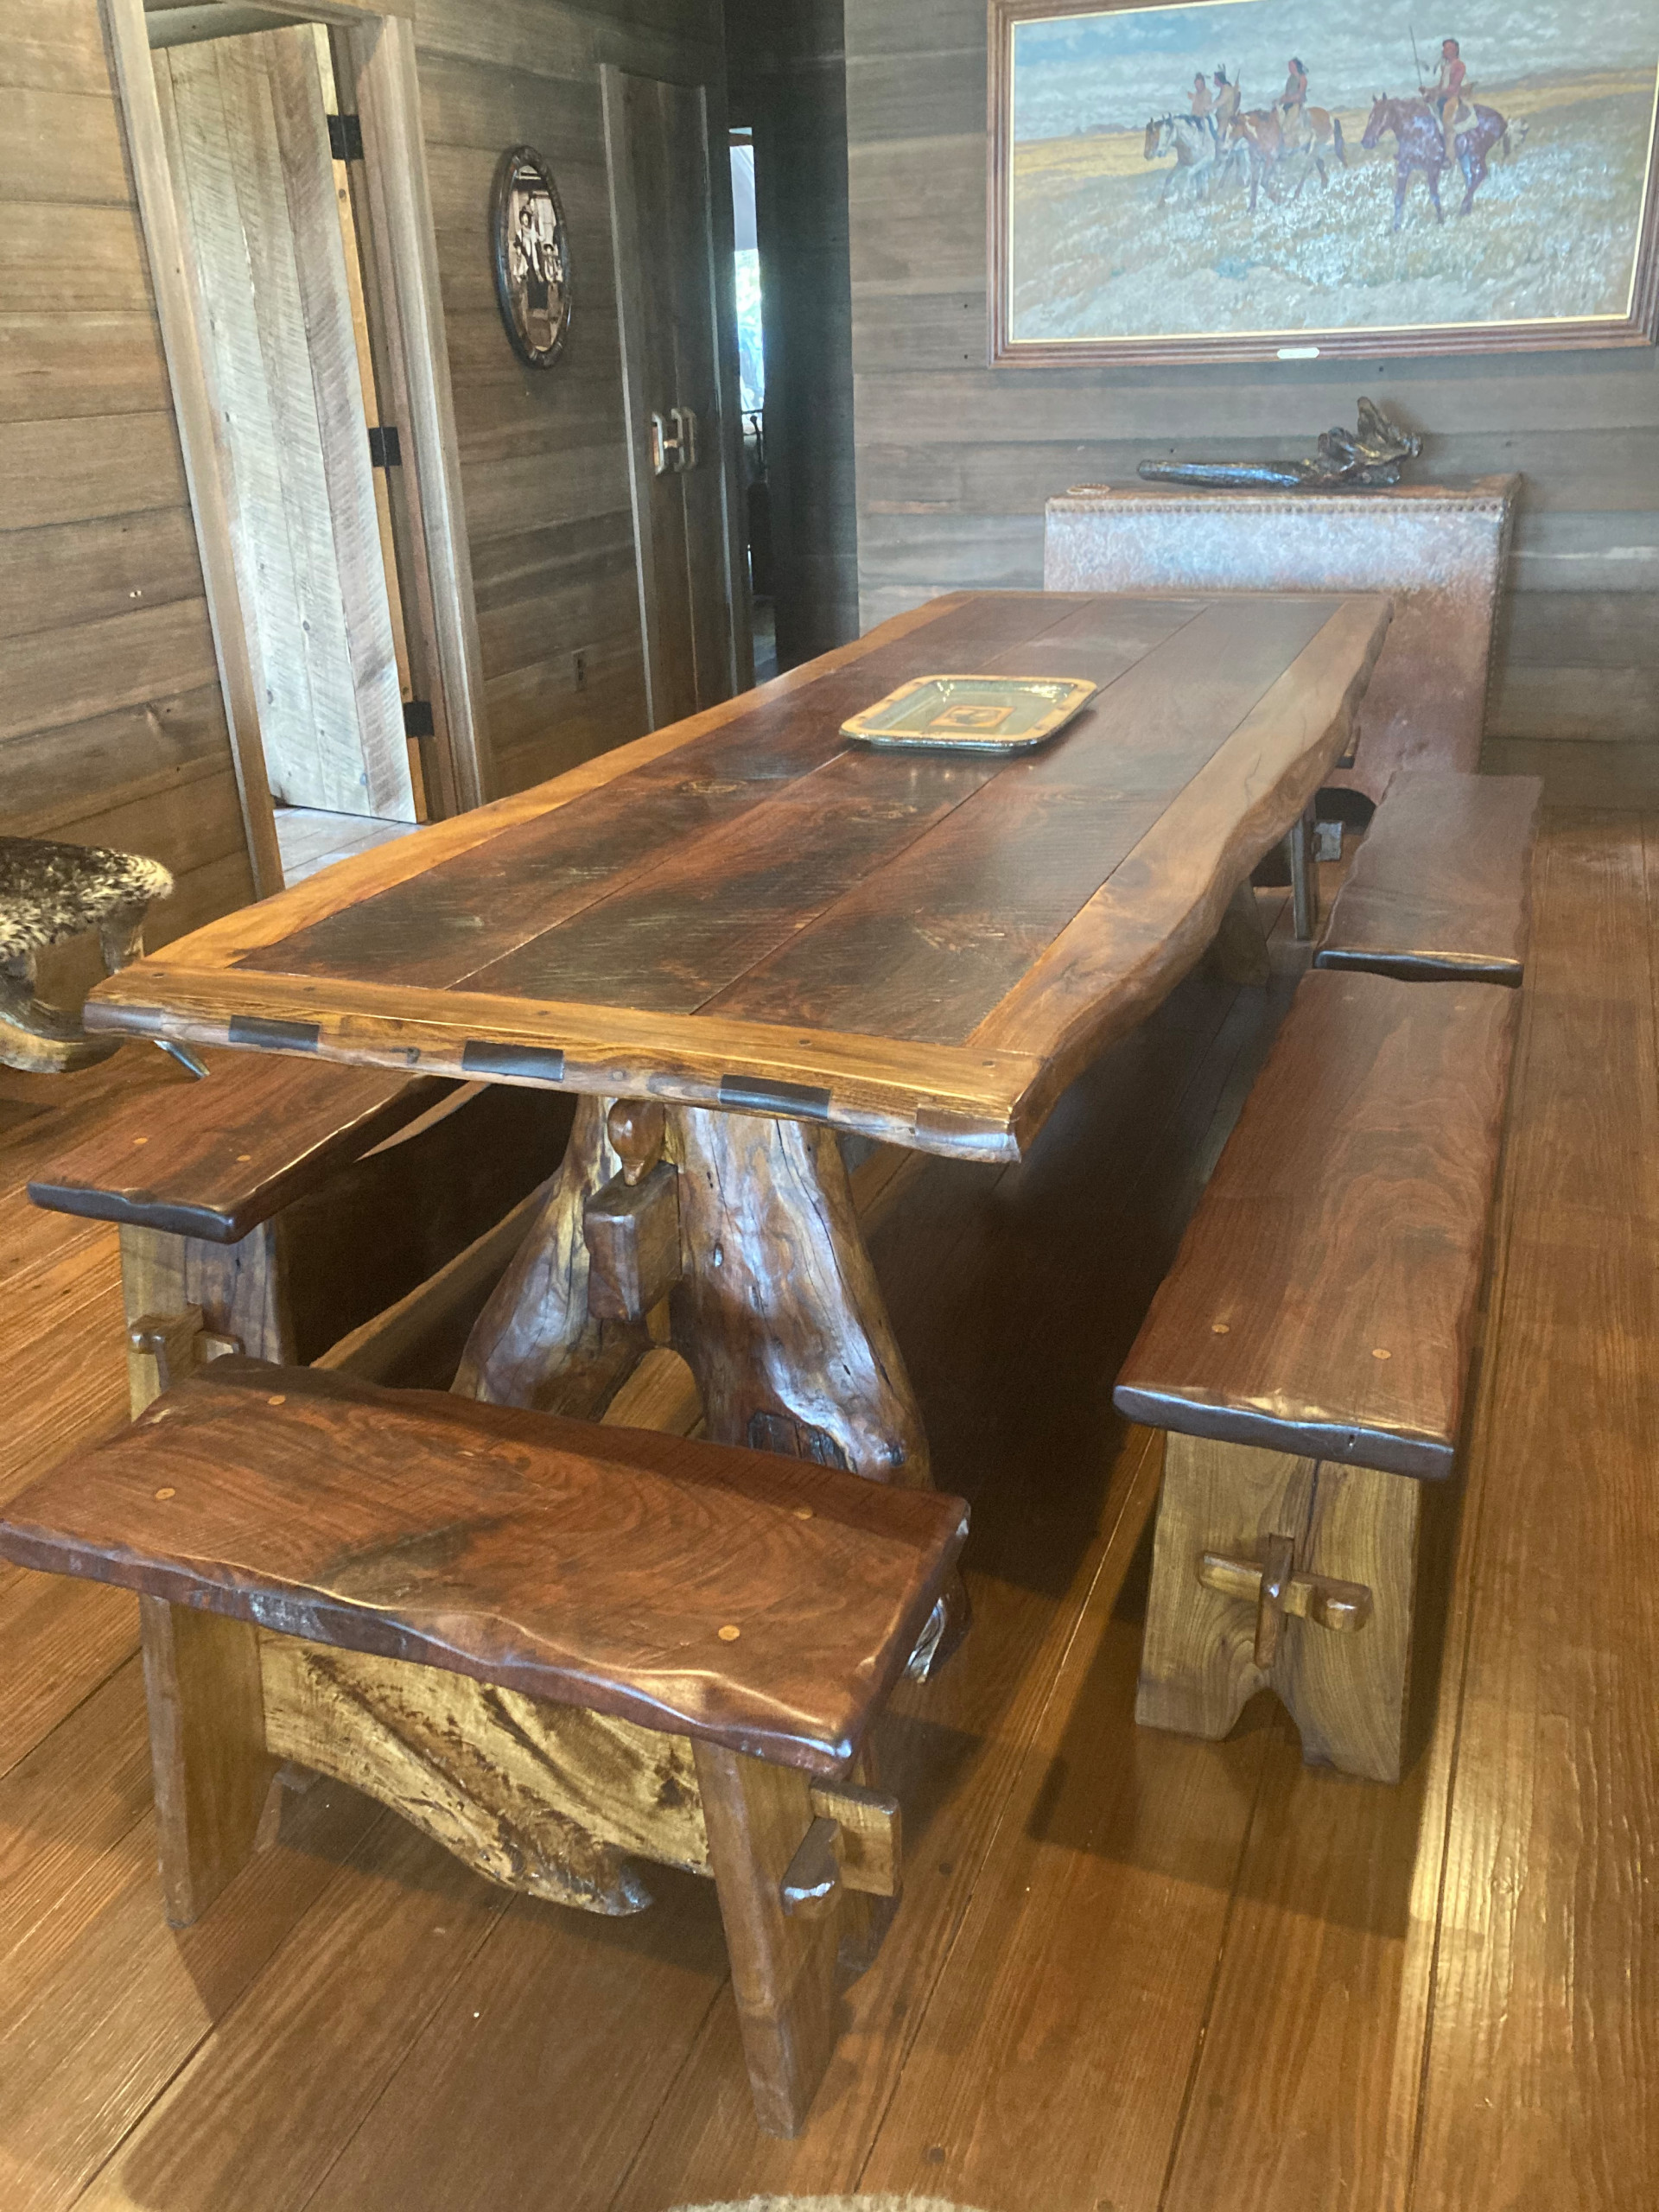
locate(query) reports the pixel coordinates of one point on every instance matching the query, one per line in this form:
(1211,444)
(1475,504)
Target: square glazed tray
(972,714)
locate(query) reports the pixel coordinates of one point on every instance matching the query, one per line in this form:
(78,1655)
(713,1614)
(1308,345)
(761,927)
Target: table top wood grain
(745,911)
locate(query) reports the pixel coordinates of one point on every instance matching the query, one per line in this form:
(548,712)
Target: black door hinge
(345,137)
(385,450)
(417,718)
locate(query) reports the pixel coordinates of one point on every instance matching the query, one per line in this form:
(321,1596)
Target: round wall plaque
(532,258)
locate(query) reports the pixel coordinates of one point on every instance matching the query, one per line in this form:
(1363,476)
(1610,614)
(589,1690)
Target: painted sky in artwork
(1111,71)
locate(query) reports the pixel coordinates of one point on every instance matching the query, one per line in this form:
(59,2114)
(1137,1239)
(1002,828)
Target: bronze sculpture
(1367,461)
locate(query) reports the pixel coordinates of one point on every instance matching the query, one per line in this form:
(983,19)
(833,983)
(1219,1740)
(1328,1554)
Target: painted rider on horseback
(1445,95)
(1293,104)
(1203,106)
(1226,106)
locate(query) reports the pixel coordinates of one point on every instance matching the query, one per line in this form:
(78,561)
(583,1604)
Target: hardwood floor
(1131,1973)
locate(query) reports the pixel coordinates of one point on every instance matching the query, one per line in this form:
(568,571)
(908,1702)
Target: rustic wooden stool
(1441,887)
(555,1647)
(49,894)
(1308,1354)
(286,1208)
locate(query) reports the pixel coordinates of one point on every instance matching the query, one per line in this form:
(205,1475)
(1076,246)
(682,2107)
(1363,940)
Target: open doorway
(263,190)
(751,376)
(280,179)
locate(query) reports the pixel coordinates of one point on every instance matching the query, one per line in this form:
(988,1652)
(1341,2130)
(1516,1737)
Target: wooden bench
(283,1207)
(1308,1354)
(555,1647)
(1440,888)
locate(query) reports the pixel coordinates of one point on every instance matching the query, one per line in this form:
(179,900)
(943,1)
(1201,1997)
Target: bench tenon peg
(1307,1357)
(632,1225)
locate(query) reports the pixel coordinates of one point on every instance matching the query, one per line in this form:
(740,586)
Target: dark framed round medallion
(532,256)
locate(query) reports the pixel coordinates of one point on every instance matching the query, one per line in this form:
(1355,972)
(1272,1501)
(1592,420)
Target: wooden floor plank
(93,2047)
(1544,2036)
(61,1640)
(257,2116)
(65,1812)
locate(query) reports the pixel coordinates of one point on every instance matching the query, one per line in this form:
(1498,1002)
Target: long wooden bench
(1308,1356)
(556,1646)
(281,1205)
(1440,889)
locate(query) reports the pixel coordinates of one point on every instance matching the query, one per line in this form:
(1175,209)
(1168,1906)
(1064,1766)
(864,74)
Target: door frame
(399,250)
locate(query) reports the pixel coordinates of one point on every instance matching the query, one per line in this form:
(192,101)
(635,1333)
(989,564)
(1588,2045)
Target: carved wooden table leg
(777,1311)
(779,1315)
(536,1343)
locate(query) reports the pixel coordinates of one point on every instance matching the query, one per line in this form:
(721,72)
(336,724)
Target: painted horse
(1260,133)
(1420,143)
(1198,158)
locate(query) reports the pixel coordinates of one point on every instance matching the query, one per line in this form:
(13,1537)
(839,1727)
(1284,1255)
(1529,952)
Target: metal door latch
(675,450)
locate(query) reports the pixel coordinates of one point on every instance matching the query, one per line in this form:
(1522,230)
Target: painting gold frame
(1639,326)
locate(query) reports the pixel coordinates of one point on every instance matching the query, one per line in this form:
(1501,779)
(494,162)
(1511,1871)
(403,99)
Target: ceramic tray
(972,714)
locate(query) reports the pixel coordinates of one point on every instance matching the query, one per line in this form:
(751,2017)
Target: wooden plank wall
(544,453)
(788,80)
(112,728)
(955,461)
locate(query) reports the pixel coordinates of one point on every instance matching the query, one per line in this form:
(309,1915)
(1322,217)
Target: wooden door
(254,180)
(663,223)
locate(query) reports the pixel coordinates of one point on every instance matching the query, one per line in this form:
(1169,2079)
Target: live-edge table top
(745,911)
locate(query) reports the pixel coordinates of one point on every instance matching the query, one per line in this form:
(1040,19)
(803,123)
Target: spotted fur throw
(49,893)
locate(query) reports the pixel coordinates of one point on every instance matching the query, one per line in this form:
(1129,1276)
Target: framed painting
(531,252)
(1247,180)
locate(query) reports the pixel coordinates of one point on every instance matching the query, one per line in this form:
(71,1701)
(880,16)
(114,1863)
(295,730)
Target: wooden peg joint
(1272,1585)
(178,1343)
(871,1848)
(632,1234)
(636,1127)
(811,1881)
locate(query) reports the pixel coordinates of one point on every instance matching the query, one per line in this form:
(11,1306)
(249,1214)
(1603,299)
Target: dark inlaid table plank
(1058,950)
(1323,1301)
(461,916)
(927,946)
(682,930)
(1148,925)
(590,1566)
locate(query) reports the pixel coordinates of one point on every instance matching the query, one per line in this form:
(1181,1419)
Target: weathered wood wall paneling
(955,462)
(112,730)
(544,453)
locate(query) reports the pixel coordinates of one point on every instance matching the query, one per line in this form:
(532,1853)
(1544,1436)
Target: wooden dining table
(776,937)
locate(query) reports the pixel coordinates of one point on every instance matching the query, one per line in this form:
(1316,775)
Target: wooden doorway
(281,177)
(678,328)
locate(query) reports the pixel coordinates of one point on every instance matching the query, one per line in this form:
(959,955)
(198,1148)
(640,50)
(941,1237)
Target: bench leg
(1275,1572)
(1304,879)
(213,1773)
(783,1967)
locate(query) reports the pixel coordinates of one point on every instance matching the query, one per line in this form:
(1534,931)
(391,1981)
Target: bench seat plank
(217,1159)
(1440,889)
(1324,1297)
(587,1566)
